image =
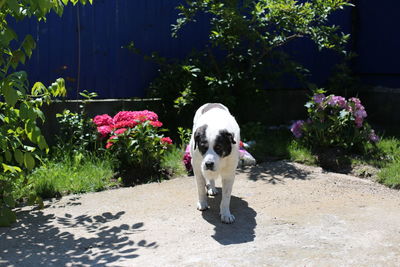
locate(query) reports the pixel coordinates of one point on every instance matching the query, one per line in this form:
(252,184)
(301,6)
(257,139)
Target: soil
(287,214)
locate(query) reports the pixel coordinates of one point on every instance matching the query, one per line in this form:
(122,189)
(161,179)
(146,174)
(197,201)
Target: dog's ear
(230,136)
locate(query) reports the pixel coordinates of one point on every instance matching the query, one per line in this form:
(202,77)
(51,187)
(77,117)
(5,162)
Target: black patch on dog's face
(223,143)
(200,139)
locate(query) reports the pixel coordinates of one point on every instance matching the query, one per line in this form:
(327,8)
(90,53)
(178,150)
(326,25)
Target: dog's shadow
(241,231)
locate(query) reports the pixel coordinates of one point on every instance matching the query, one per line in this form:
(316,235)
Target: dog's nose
(209,165)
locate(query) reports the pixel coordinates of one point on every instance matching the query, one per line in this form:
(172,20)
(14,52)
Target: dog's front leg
(227,183)
(201,189)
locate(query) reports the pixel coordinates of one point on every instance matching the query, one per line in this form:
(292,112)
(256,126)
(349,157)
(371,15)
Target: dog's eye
(217,148)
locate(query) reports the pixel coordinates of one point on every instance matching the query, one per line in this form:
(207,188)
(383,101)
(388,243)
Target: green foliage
(77,131)
(184,137)
(244,51)
(139,151)
(20,112)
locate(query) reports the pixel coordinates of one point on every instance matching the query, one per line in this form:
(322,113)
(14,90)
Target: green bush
(136,140)
(334,122)
(77,132)
(244,53)
(20,134)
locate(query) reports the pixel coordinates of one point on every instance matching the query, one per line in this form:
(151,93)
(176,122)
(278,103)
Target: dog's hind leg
(211,190)
(201,189)
(227,183)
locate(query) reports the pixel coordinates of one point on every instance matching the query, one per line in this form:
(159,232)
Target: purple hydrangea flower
(296,128)
(319,98)
(373,137)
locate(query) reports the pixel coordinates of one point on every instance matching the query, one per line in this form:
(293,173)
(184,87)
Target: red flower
(108,145)
(166,140)
(103,120)
(125,124)
(156,124)
(120,131)
(104,130)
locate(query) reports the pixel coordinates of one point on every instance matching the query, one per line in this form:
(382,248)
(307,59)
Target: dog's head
(213,146)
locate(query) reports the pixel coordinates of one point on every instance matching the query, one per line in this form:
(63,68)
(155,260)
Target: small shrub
(135,138)
(334,122)
(77,131)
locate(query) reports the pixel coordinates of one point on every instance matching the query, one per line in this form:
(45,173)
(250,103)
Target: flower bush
(334,122)
(135,138)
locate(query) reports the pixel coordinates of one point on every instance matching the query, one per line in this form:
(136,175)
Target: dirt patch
(287,215)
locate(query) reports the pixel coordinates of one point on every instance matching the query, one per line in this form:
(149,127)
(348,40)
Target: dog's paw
(202,206)
(227,218)
(212,191)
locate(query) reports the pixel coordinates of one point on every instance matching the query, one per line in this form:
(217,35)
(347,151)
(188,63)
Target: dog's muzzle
(209,165)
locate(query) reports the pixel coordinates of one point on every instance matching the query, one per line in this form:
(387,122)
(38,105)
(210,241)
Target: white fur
(217,118)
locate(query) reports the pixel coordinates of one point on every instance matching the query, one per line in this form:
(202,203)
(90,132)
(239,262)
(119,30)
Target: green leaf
(17,57)
(32,131)
(38,89)
(42,142)
(28,45)
(39,114)
(19,156)
(8,155)
(29,161)
(10,95)
(12,169)
(24,111)
(6,36)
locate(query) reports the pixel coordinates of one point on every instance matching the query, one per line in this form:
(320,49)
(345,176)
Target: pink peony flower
(102,120)
(120,131)
(104,130)
(108,145)
(156,124)
(125,124)
(166,140)
(296,128)
(109,141)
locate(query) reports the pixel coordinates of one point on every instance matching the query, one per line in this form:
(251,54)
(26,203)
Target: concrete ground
(286,215)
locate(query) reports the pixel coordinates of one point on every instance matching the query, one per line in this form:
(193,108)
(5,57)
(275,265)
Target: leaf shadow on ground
(276,172)
(35,241)
(241,231)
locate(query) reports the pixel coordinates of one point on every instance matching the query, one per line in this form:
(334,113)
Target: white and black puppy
(214,147)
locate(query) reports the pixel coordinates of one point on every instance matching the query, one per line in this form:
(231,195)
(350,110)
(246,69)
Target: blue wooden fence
(86,45)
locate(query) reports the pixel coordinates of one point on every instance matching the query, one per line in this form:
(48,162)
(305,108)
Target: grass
(72,174)
(172,162)
(389,174)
